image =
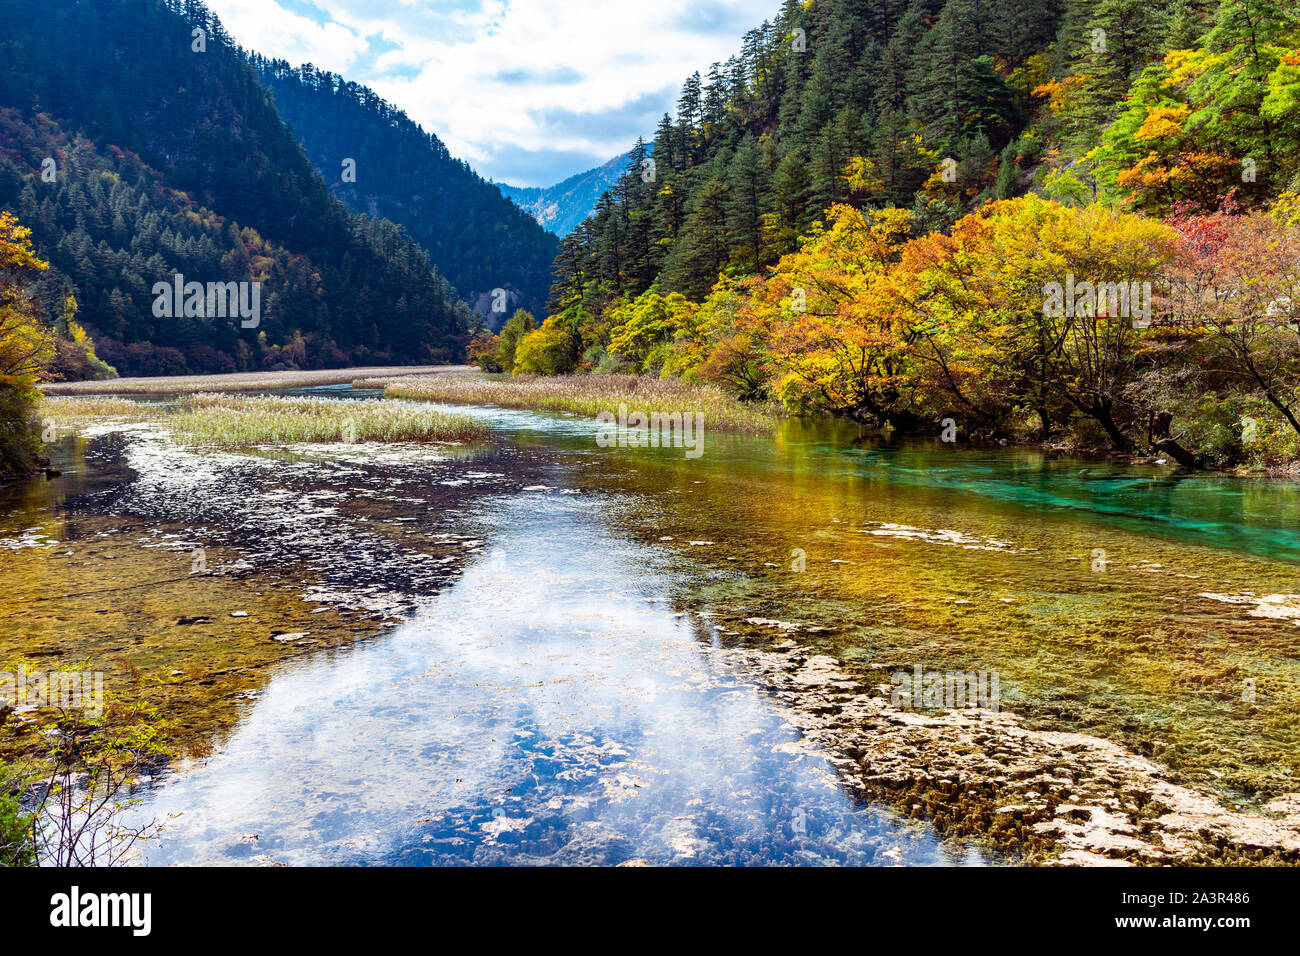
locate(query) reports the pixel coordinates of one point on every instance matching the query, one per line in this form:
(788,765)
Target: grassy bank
(587,395)
(71,411)
(220,421)
(243,421)
(236,382)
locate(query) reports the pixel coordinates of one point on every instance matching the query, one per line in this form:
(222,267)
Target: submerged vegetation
(589,395)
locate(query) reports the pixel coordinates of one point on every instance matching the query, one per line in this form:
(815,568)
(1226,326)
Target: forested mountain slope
(168,156)
(938,107)
(560,208)
(477,239)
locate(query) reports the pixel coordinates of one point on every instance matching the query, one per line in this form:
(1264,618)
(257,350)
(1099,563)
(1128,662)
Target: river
(577,654)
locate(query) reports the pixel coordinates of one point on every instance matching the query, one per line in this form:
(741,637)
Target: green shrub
(15,826)
(20,445)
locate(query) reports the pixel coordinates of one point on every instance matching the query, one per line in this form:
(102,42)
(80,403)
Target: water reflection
(548,708)
(551,706)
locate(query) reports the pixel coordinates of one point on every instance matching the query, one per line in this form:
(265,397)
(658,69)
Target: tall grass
(71,411)
(235,382)
(222,421)
(586,395)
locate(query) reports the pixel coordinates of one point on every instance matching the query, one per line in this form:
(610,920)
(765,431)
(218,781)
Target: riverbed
(540,650)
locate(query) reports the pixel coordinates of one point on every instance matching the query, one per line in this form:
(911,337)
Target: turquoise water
(575,691)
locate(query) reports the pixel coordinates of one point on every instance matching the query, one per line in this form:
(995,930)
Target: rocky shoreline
(1039,797)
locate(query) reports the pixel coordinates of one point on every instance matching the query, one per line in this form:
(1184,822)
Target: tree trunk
(1161,441)
(1268,393)
(1119,441)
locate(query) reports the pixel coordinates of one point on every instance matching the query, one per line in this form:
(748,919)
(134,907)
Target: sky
(528,92)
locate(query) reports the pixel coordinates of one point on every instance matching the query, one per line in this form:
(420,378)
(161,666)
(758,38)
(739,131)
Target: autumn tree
(27,346)
(718,344)
(1031,305)
(1235,285)
(517,326)
(550,349)
(1103,263)
(643,328)
(482,351)
(833,343)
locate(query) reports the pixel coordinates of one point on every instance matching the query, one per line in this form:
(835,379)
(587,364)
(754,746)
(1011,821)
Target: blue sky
(527,91)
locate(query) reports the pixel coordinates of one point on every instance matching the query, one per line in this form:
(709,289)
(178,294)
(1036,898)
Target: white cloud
(525,90)
(272,30)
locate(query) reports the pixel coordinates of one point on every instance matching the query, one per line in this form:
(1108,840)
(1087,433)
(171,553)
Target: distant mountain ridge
(479,240)
(561,208)
(155,151)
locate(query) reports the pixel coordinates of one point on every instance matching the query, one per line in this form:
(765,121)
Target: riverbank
(818,564)
(590,396)
(240,381)
(1041,796)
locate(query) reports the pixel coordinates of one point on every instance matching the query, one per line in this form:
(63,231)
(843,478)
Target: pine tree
(747,199)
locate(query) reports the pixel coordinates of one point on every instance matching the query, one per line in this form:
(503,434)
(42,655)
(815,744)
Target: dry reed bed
(74,410)
(586,395)
(237,381)
(241,421)
(220,421)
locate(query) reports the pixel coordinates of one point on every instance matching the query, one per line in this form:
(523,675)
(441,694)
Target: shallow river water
(567,671)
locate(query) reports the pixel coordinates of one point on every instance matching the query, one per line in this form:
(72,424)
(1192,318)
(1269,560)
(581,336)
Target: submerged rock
(1045,796)
(286,638)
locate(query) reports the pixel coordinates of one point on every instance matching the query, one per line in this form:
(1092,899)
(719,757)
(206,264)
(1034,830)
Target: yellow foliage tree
(26,345)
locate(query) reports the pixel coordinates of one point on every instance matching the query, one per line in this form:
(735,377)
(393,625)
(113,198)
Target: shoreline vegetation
(211,420)
(238,381)
(1032,320)
(587,395)
(221,421)
(207,419)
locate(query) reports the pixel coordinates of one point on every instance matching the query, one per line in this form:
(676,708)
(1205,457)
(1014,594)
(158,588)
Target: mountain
(155,150)
(831,101)
(560,208)
(936,107)
(477,239)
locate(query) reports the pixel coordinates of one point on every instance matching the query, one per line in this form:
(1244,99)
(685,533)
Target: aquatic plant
(587,395)
(72,411)
(236,382)
(224,421)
